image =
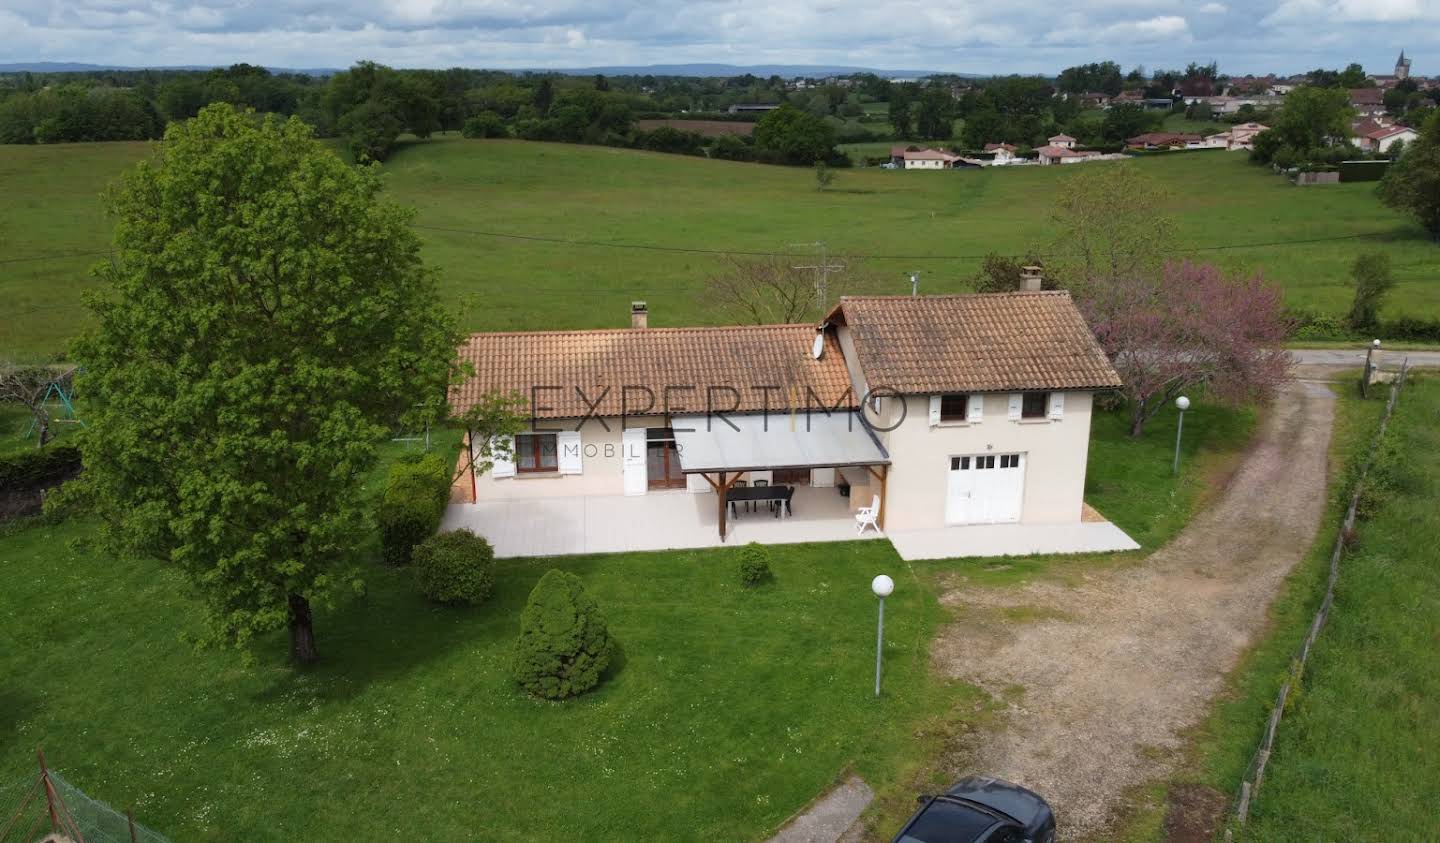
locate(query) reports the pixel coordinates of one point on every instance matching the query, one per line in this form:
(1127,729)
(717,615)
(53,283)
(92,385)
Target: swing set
(59,394)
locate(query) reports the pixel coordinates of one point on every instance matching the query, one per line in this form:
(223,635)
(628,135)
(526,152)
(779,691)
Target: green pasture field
(465,192)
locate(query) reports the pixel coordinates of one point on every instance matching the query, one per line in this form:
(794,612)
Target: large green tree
(1412,183)
(798,137)
(264,319)
(1313,117)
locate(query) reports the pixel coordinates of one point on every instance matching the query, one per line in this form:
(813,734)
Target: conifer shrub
(564,644)
(754,564)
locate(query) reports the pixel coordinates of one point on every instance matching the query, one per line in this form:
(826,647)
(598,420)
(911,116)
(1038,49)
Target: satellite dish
(819,346)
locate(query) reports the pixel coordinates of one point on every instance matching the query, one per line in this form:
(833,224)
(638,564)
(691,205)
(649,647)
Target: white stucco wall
(602,467)
(1055,454)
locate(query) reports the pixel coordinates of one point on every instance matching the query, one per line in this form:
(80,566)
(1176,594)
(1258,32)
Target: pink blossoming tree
(1189,327)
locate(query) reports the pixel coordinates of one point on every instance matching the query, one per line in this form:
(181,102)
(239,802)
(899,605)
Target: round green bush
(455,567)
(754,564)
(564,644)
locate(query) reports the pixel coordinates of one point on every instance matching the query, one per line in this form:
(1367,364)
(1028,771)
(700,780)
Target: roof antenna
(914,283)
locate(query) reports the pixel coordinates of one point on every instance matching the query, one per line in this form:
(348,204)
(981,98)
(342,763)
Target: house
(1166,140)
(1004,152)
(1381,139)
(1095,99)
(1367,101)
(1062,140)
(752,107)
(916,158)
(1052,154)
(1237,138)
(964,417)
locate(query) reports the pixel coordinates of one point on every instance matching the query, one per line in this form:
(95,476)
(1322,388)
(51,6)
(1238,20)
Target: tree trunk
(302,632)
(1137,420)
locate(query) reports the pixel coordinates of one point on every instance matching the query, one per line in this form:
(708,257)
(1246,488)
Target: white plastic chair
(866,516)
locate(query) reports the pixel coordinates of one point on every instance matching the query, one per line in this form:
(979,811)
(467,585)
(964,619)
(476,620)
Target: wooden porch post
(882,475)
(884,506)
(720,490)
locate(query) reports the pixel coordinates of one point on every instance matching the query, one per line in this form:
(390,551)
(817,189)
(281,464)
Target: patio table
(780,494)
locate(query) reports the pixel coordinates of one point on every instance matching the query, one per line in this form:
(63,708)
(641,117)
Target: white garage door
(985,489)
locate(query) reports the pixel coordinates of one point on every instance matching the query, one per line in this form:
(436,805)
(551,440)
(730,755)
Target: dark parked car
(981,810)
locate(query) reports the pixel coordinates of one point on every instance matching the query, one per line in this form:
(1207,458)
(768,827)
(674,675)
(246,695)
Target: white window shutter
(975,408)
(1057,405)
(502,456)
(568,443)
(632,446)
(1015,399)
(934,410)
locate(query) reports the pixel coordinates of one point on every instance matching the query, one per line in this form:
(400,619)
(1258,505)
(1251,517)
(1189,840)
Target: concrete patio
(666,520)
(679,520)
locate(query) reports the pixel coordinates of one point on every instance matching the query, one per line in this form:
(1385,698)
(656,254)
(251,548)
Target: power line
(650,247)
(691,250)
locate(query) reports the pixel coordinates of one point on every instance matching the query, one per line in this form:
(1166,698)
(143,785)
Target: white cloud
(960,35)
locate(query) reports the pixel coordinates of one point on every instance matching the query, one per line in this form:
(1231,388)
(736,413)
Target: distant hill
(81,67)
(763,70)
(703,70)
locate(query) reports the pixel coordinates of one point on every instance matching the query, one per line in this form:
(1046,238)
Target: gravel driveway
(1116,667)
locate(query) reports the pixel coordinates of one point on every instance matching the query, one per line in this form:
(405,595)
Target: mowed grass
(615,200)
(1358,756)
(1354,757)
(729,709)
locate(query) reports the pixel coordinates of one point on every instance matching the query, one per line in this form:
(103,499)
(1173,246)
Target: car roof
(946,818)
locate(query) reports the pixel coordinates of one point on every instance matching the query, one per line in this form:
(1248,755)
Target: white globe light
(1183,403)
(1376,343)
(882,586)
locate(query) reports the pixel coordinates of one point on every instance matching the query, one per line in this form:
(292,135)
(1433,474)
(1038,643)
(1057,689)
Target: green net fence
(26,815)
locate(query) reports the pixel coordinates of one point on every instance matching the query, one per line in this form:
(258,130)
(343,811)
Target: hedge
(455,567)
(412,505)
(40,467)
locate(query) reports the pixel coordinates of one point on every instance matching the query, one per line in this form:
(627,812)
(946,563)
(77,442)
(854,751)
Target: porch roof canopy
(763,441)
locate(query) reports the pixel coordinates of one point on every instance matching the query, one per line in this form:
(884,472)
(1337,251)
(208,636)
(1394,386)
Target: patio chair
(762,484)
(866,516)
(783,505)
(738,484)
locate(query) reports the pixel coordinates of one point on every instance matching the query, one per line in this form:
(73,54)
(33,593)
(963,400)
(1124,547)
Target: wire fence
(46,808)
(1255,772)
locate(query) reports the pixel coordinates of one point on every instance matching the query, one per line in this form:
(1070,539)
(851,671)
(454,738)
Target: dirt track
(1116,668)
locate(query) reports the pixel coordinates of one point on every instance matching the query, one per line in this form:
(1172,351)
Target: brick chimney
(640,315)
(1030,280)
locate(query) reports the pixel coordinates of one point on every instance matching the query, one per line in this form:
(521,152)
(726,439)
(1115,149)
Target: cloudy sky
(978,36)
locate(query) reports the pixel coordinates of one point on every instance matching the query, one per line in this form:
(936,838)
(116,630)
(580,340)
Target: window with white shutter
(975,409)
(1057,405)
(934,410)
(1015,403)
(502,456)
(569,444)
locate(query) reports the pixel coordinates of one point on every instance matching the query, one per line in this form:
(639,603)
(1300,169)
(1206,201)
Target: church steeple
(1402,67)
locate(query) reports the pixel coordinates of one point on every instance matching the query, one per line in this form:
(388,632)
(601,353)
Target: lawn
(730,710)
(1358,757)
(1355,751)
(467,192)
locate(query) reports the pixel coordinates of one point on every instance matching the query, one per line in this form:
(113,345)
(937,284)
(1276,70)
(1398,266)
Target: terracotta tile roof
(1367,96)
(744,357)
(994,147)
(974,343)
